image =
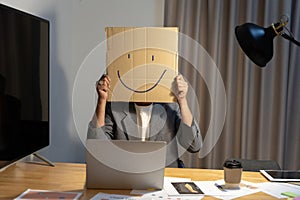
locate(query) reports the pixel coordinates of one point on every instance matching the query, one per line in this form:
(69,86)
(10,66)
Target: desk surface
(71,177)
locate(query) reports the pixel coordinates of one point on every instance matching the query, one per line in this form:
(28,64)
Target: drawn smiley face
(141,74)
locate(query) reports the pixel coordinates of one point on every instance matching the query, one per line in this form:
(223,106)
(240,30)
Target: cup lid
(232,164)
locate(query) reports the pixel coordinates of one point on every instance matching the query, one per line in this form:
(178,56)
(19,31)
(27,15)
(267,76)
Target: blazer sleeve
(189,137)
(105,132)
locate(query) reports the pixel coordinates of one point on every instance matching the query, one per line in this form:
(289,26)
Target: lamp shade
(256,42)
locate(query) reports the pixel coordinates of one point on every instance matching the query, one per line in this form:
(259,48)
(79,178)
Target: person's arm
(181,88)
(102,87)
(96,128)
(189,134)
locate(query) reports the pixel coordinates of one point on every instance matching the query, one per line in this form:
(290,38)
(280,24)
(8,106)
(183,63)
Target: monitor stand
(44,159)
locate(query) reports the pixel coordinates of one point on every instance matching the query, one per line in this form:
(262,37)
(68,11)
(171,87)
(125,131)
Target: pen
(220,187)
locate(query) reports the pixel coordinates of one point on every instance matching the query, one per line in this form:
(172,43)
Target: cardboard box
(142,63)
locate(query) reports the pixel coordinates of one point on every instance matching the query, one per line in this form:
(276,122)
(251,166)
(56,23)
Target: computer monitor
(24,84)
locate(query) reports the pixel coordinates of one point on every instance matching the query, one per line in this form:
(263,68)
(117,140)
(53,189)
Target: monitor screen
(24,84)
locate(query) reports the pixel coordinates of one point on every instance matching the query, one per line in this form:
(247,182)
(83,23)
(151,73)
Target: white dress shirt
(143,114)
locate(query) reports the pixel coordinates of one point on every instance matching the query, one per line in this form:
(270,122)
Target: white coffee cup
(232,174)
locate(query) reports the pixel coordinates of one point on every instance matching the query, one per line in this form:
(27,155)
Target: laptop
(125,164)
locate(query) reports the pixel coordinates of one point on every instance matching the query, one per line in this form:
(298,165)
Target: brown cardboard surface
(142,63)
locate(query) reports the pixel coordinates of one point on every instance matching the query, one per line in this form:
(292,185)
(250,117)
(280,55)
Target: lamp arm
(286,36)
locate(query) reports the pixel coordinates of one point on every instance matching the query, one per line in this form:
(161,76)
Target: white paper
(275,189)
(105,196)
(210,188)
(148,196)
(156,194)
(48,194)
(172,191)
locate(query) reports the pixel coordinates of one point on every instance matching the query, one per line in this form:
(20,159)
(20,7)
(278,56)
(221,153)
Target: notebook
(125,164)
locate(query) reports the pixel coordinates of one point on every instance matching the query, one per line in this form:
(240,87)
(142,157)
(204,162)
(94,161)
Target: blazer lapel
(128,120)
(157,121)
(129,123)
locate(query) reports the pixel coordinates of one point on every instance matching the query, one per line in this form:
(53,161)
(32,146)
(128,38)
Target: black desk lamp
(257,42)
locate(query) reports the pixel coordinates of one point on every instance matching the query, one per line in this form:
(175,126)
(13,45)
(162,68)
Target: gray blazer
(165,125)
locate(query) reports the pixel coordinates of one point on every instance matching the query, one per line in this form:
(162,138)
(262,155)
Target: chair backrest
(256,165)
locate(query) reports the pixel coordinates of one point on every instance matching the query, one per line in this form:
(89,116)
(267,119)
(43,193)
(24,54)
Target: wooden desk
(71,177)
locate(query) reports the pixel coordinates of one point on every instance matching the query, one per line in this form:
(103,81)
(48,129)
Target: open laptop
(125,164)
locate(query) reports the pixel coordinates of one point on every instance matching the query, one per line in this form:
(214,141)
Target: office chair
(180,163)
(256,165)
